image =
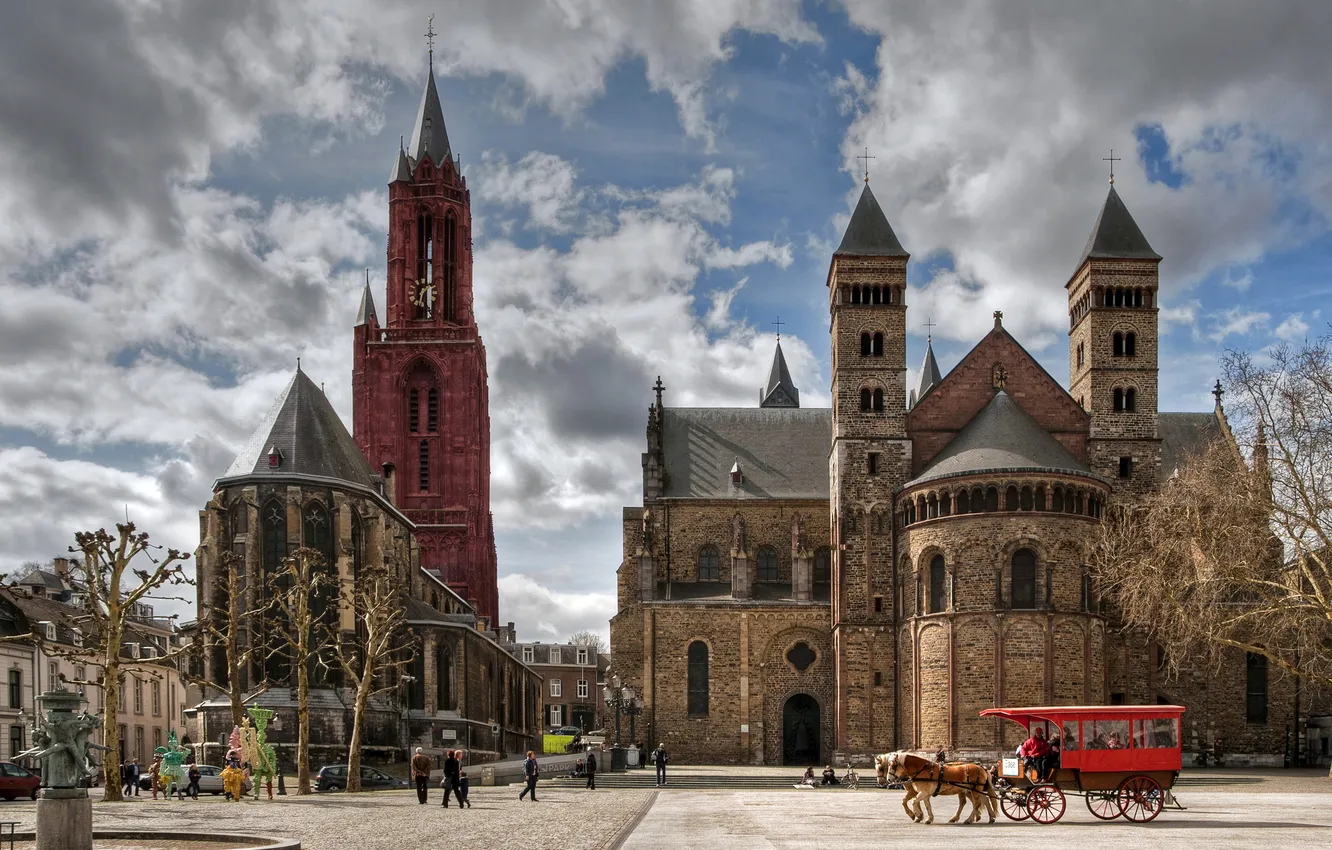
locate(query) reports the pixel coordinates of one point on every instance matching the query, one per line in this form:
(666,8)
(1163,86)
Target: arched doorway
(800,730)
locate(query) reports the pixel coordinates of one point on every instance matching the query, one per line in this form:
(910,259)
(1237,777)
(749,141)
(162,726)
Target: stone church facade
(801,584)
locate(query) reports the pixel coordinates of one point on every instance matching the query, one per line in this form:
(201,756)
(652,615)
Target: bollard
(282,786)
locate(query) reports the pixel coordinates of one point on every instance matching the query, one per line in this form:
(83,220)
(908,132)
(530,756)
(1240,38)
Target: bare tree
(370,654)
(220,625)
(293,619)
(590,638)
(1233,553)
(113,589)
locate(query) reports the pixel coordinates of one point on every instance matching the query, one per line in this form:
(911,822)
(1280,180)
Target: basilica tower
(420,405)
(870,458)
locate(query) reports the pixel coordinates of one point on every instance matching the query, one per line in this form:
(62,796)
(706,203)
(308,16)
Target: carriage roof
(1024,715)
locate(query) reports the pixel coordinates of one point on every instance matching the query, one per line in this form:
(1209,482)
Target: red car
(17,782)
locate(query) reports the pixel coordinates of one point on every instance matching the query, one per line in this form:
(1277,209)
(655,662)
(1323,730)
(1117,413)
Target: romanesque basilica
(802,584)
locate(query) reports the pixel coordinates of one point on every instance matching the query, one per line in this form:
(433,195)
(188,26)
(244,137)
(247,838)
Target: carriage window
(1069,739)
(1155,732)
(1106,734)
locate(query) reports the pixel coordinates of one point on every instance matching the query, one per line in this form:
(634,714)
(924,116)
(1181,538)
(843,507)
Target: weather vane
(1112,159)
(778,324)
(430,39)
(867,158)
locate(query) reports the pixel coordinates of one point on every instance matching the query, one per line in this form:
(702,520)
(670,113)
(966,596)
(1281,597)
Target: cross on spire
(1112,159)
(659,388)
(430,40)
(778,324)
(866,156)
(929,326)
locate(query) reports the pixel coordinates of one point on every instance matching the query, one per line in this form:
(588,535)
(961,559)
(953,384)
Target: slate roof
(312,439)
(367,309)
(929,371)
(418,611)
(429,134)
(1182,435)
(402,169)
(1002,436)
(780,390)
(783,452)
(869,234)
(1115,235)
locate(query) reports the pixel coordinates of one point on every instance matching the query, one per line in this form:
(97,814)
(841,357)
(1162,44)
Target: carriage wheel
(1104,805)
(1045,803)
(1013,802)
(1140,798)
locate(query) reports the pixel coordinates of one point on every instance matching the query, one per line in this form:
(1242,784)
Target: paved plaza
(1267,809)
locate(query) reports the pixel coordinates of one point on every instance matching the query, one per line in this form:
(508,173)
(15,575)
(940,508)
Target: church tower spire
(780,390)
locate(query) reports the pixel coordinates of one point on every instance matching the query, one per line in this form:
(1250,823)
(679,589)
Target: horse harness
(940,782)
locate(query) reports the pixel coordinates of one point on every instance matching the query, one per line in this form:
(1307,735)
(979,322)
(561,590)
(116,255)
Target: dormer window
(50,631)
(274,457)
(737,477)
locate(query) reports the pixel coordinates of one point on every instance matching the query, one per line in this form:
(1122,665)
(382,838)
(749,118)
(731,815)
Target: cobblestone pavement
(565,818)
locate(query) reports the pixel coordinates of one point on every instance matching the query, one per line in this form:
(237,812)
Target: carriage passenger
(1036,753)
(1114,743)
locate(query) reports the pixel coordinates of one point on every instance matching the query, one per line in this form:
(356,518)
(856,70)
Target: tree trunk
(111,784)
(354,749)
(303,722)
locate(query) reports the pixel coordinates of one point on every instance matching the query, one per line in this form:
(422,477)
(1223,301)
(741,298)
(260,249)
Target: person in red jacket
(1036,753)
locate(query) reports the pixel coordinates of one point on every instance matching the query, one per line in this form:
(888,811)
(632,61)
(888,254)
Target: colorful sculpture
(172,771)
(233,778)
(258,752)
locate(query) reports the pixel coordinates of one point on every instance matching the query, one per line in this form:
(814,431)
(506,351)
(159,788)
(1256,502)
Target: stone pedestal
(64,819)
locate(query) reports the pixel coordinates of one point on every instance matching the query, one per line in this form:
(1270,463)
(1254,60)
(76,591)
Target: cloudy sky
(190,190)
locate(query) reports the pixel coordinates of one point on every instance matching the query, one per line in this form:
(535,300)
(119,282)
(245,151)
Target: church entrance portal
(800,730)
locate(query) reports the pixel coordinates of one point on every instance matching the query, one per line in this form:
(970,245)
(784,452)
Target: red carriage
(1121,759)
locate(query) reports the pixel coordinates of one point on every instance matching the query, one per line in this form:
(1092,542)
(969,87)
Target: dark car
(333,777)
(17,782)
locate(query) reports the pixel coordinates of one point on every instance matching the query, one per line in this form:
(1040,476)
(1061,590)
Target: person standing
(451,770)
(464,786)
(192,790)
(660,758)
(155,773)
(591,768)
(530,772)
(132,778)
(421,775)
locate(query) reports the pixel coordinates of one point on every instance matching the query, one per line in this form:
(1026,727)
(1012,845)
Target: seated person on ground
(829,775)
(808,778)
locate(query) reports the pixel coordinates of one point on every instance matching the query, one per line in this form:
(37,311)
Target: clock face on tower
(423,297)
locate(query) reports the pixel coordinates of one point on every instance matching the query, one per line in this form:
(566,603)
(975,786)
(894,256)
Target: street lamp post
(625,701)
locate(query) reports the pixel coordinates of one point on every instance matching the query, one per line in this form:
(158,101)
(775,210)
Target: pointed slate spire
(366,314)
(402,169)
(869,234)
(929,371)
(429,135)
(780,390)
(1115,235)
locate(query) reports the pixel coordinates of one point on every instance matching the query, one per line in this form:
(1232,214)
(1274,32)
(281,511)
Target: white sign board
(1011,768)
(744,728)
(448,734)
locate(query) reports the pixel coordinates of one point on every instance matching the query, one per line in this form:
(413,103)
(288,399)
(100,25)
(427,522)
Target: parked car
(210,780)
(567,730)
(18,782)
(333,777)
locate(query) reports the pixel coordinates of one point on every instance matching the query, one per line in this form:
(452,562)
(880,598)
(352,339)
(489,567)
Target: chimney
(61,567)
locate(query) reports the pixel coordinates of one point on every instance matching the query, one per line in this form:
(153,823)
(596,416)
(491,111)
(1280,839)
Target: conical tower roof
(366,313)
(869,234)
(1115,235)
(309,438)
(929,371)
(780,390)
(429,135)
(402,169)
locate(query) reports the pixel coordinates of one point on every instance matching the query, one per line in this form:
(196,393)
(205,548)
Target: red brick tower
(420,409)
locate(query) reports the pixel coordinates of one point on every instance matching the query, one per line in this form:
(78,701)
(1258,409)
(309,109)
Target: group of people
(455,782)
(830,777)
(131,773)
(1039,754)
(587,767)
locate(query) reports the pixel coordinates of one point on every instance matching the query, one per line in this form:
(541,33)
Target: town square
(637,424)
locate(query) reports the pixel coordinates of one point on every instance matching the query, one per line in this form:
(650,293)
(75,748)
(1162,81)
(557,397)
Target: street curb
(628,829)
(268,843)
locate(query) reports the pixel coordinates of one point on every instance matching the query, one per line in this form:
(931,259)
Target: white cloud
(1237,321)
(542,182)
(550,615)
(1293,328)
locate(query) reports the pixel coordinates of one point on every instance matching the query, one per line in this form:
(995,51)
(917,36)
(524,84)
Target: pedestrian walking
(132,778)
(531,772)
(192,790)
(591,768)
(463,787)
(660,758)
(452,767)
(421,774)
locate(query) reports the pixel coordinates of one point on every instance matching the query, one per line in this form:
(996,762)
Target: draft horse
(924,779)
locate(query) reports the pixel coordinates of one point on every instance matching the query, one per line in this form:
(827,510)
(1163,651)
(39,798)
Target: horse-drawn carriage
(1121,759)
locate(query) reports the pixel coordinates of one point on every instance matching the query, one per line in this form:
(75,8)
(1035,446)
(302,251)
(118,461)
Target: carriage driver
(1036,752)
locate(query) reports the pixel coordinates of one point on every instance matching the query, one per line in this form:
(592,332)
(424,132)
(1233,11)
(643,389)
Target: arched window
(938,584)
(963,502)
(878,401)
(413,411)
(698,679)
(443,677)
(1118,344)
(1255,688)
(1130,400)
(450,265)
(1024,579)
(317,528)
(709,564)
(866,399)
(877,347)
(358,546)
(823,565)
(1130,344)
(432,410)
(1011,498)
(945,504)
(1119,400)
(423,472)
(991,499)
(274,520)
(1025,500)
(875,294)
(866,343)
(767,564)
(1040,499)
(422,300)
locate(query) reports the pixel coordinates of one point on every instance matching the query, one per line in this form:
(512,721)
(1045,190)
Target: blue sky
(189,207)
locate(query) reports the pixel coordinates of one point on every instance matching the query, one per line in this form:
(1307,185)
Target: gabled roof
(367,310)
(929,371)
(402,169)
(310,437)
(1002,436)
(783,452)
(780,390)
(1184,435)
(869,234)
(1115,235)
(429,134)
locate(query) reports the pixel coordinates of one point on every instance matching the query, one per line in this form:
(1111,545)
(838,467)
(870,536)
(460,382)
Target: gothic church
(803,584)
